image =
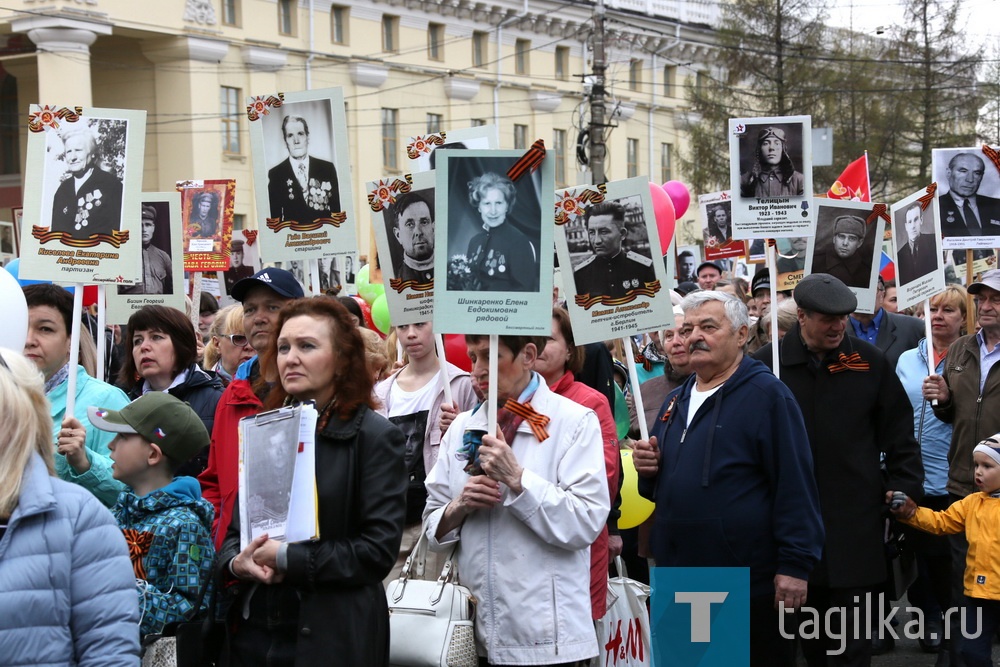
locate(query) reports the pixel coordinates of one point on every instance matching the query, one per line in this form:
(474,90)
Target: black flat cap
(712,265)
(761,280)
(822,293)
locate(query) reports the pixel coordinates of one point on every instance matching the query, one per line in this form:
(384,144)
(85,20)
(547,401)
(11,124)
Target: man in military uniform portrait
(157,269)
(610,271)
(412,221)
(237,269)
(917,253)
(843,257)
(965,212)
(89,201)
(302,188)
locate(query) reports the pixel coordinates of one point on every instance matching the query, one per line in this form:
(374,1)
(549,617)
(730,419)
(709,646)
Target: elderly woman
(89,200)
(501,257)
(323,601)
(164,355)
(523,507)
(228,346)
(66,581)
(931,592)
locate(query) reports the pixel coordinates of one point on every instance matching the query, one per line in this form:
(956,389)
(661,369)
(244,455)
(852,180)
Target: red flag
(853,182)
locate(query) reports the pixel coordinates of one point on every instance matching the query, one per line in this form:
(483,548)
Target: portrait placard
(916,234)
(161,280)
(614,279)
(790,260)
(244,258)
(770,173)
(403,224)
(717,226)
(207,211)
(7,249)
(688,259)
(497,237)
(968,197)
(82,194)
(420,149)
(302,175)
(848,245)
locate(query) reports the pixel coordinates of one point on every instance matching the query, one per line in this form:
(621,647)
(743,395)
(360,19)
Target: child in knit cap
(977,514)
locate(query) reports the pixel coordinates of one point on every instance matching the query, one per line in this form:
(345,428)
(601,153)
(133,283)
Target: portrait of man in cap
(157,269)
(771,170)
(613,269)
(844,254)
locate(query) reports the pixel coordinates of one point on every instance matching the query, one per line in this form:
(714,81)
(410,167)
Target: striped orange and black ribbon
(138,546)
(926,199)
(879,211)
(993,155)
(529,161)
(536,420)
(848,362)
(44,235)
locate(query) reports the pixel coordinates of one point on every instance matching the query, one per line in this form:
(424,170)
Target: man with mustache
(611,271)
(856,413)
(731,474)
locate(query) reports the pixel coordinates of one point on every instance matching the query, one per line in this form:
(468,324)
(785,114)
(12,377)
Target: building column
(63,57)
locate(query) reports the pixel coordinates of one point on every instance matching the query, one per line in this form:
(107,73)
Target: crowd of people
(787,473)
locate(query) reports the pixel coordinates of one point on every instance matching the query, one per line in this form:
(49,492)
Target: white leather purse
(431,622)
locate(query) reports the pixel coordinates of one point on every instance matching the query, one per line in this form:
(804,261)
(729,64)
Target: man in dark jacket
(892,333)
(302,188)
(731,475)
(856,412)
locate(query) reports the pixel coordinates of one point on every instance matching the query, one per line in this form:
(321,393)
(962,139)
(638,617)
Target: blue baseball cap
(279,281)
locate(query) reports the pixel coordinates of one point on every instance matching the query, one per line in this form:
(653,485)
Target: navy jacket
(736,487)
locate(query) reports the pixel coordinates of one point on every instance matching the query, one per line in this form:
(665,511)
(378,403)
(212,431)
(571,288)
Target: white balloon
(15,313)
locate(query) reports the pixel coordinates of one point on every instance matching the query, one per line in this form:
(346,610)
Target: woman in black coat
(163,358)
(322,602)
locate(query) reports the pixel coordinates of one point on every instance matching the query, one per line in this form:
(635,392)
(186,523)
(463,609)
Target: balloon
(366,312)
(455,352)
(380,314)
(368,291)
(635,509)
(14,268)
(361,278)
(665,219)
(15,313)
(679,195)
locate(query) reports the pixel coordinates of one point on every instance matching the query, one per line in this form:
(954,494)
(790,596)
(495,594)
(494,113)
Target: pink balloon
(679,196)
(665,219)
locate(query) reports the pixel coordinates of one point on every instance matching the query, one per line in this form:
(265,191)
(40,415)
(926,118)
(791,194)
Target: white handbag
(430,622)
(623,634)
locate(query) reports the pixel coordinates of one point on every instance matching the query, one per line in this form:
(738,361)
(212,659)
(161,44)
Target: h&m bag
(430,622)
(623,636)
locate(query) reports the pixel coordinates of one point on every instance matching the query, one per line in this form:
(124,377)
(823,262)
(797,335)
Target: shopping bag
(623,635)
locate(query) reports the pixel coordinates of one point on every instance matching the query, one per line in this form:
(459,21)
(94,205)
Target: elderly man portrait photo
(411,223)
(611,271)
(157,269)
(301,188)
(965,212)
(89,200)
(772,171)
(844,255)
(916,253)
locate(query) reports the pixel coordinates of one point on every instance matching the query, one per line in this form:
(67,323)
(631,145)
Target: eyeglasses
(239,340)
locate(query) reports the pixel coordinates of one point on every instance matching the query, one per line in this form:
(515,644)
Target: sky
(978,17)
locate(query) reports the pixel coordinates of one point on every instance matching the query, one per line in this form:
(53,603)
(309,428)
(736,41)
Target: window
(562,62)
(670,81)
(339,18)
(632,158)
(479,43)
(434,123)
(699,82)
(286,17)
(231,12)
(520,137)
(435,41)
(478,122)
(666,164)
(635,74)
(522,51)
(390,119)
(10,128)
(390,34)
(239,222)
(231,112)
(559,148)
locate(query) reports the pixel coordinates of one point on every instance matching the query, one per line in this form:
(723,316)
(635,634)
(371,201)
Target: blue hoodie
(169,536)
(736,487)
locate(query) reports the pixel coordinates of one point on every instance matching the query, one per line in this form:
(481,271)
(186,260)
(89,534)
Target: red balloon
(456,353)
(366,310)
(663,209)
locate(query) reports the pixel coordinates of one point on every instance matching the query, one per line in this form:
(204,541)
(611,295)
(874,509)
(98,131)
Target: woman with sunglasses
(227,347)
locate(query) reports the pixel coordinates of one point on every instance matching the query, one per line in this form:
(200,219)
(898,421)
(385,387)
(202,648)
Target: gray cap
(990,279)
(822,293)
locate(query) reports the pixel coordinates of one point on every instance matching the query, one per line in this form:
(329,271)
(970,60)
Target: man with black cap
(843,258)
(708,274)
(856,412)
(262,295)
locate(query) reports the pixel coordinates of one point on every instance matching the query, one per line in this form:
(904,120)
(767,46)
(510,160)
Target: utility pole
(597,124)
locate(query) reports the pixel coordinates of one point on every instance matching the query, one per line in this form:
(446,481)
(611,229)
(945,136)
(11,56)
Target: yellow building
(407,67)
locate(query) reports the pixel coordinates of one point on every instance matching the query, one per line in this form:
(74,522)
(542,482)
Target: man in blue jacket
(729,468)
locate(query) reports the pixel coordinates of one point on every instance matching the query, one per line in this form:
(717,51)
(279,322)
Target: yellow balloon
(635,509)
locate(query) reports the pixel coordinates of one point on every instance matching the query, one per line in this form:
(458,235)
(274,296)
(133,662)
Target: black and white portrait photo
(494,226)
(302,183)
(88,189)
(968,197)
(845,245)
(916,246)
(770,158)
(157,264)
(409,223)
(617,258)
(241,263)
(719,230)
